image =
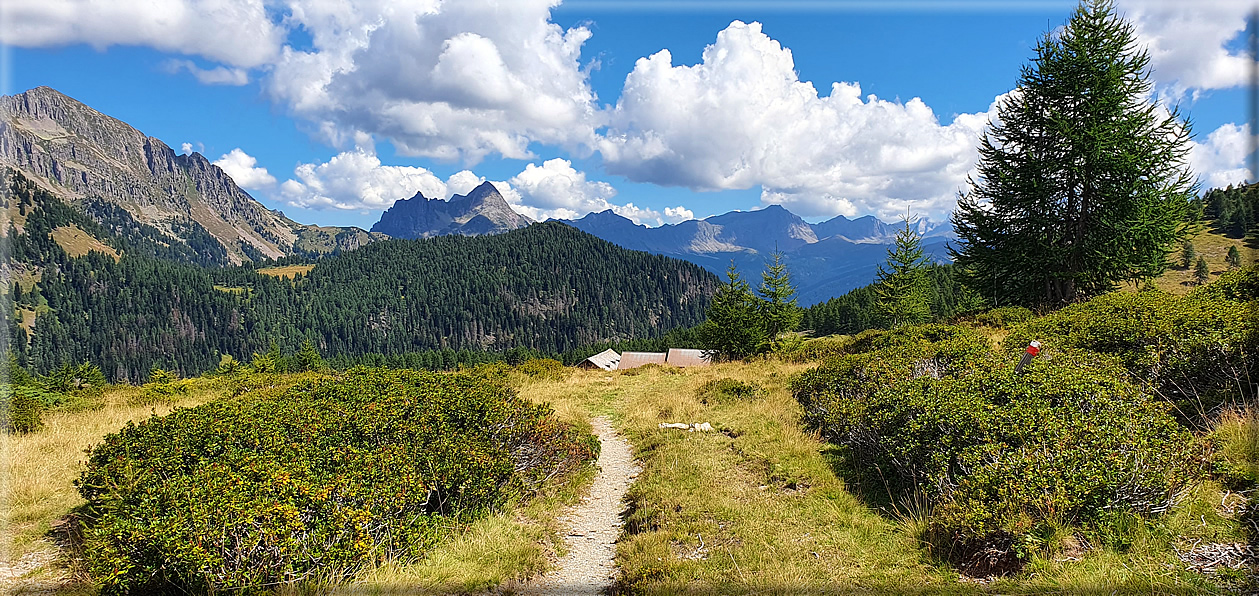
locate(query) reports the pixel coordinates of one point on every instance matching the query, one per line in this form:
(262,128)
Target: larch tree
(778,305)
(902,289)
(733,329)
(1083,182)
(1234,258)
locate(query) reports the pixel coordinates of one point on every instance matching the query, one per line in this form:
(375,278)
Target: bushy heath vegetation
(934,410)
(288,483)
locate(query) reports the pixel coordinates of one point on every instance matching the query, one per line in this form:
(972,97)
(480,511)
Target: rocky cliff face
(79,154)
(480,212)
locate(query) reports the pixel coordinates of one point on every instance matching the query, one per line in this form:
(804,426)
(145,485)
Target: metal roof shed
(605,360)
(684,358)
(636,359)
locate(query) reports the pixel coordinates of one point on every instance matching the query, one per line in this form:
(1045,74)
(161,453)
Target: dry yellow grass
(37,470)
(762,506)
(287,271)
(77,243)
(26,318)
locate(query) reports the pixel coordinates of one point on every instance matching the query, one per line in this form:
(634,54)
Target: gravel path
(594,524)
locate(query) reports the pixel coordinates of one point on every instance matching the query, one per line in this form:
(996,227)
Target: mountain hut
(636,359)
(605,360)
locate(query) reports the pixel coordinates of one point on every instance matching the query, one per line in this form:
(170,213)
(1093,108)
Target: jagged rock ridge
(482,211)
(80,154)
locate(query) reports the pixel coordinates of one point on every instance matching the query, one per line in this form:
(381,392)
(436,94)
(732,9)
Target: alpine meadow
(593,303)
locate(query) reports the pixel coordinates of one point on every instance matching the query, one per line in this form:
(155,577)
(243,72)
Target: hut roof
(637,359)
(683,357)
(606,360)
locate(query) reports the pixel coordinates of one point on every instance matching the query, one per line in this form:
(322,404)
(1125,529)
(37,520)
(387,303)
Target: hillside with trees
(548,288)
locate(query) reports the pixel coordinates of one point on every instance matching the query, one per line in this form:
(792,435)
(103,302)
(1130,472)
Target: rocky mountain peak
(78,153)
(482,211)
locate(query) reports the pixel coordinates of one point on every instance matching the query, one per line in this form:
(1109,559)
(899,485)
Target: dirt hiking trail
(594,524)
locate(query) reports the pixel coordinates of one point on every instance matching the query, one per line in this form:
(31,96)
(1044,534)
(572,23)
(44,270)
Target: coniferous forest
(546,289)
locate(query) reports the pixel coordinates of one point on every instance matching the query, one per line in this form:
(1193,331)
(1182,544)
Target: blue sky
(660,110)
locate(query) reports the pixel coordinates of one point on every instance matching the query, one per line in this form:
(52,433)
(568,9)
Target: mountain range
(185,207)
(825,259)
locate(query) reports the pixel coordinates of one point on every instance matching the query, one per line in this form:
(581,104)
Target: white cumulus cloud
(557,189)
(1221,159)
(219,75)
(677,214)
(234,32)
(742,118)
(243,168)
(446,80)
(357,180)
(1190,42)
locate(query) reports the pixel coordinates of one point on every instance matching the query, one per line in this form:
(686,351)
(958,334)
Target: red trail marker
(1032,351)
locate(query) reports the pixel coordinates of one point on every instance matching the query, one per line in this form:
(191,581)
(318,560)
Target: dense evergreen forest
(547,289)
(1233,208)
(855,311)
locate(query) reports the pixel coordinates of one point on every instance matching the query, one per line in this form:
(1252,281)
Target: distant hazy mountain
(128,180)
(825,259)
(482,211)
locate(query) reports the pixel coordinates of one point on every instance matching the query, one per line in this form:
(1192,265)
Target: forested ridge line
(548,288)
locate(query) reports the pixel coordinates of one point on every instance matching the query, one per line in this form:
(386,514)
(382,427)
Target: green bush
(285,484)
(998,454)
(1193,350)
(818,348)
(22,408)
(1238,284)
(1004,316)
(79,379)
(163,387)
(543,368)
(728,390)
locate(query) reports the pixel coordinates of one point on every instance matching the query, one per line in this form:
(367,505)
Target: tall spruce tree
(778,305)
(1234,258)
(1083,183)
(733,329)
(902,290)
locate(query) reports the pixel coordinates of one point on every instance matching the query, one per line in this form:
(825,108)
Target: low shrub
(1194,351)
(933,409)
(727,390)
(543,368)
(21,408)
(1238,284)
(817,348)
(1004,316)
(163,387)
(289,483)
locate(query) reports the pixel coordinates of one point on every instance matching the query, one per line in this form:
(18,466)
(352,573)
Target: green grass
(1211,245)
(759,506)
